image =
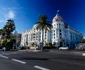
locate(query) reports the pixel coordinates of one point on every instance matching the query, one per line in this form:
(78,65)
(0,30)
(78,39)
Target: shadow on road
(34,58)
(55,58)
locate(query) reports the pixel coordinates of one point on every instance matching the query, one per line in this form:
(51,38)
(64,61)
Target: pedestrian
(4,48)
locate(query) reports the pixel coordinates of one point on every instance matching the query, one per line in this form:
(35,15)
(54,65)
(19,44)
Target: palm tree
(6,33)
(9,28)
(43,24)
(1,32)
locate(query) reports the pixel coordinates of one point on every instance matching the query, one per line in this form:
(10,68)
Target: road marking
(19,61)
(41,68)
(4,56)
(9,53)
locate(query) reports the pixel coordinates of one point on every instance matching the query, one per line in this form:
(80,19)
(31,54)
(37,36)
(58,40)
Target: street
(29,60)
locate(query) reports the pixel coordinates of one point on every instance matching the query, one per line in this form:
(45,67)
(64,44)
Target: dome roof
(57,18)
(35,26)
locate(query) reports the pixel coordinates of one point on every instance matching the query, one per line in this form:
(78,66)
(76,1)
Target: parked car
(63,48)
(80,47)
(3,49)
(22,48)
(46,47)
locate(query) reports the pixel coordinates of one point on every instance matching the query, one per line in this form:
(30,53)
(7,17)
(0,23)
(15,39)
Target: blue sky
(25,13)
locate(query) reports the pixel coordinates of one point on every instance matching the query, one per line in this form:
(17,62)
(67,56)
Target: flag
(58,10)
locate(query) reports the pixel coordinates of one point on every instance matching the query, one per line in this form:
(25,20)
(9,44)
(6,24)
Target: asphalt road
(24,60)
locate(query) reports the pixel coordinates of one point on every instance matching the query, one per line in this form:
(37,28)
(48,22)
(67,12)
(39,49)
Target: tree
(50,44)
(54,43)
(43,24)
(9,28)
(1,31)
(1,36)
(83,41)
(6,34)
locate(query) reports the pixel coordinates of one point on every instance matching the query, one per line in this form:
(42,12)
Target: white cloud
(11,14)
(6,13)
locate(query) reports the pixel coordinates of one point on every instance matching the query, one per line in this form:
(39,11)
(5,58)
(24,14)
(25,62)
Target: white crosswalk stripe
(3,56)
(41,68)
(7,53)
(19,61)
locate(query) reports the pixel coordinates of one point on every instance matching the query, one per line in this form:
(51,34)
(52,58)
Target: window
(34,30)
(33,34)
(59,25)
(60,34)
(45,34)
(45,37)
(45,31)
(54,34)
(54,30)
(60,30)
(60,37)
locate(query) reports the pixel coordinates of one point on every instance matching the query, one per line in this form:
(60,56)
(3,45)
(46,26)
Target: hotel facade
(60,33)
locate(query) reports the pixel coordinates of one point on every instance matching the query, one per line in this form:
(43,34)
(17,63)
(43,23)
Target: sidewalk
(57,51)
(68,52)
(30,50)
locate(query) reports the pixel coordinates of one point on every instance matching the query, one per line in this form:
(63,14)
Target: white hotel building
(59,31)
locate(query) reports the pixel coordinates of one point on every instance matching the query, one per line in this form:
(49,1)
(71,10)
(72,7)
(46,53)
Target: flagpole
(58,11)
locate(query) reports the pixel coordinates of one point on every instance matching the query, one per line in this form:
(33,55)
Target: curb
(30,50)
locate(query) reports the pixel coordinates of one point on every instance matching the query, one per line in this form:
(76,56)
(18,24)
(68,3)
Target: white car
(63,48)
(4,49)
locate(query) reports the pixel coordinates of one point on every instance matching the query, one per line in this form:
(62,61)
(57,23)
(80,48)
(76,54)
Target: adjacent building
(17,37)
(61,34)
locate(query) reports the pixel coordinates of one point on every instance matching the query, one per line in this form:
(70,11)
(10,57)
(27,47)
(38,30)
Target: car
(63,48)
(22,48)
(3,49)
(80,47)
(46,47)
